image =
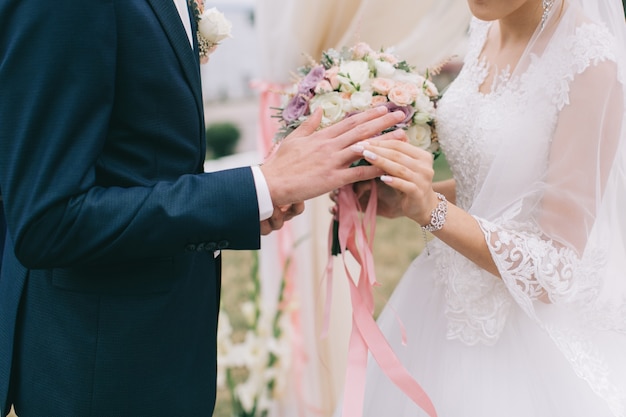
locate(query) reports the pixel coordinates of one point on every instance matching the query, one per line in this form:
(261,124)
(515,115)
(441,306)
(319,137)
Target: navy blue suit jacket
(109,288)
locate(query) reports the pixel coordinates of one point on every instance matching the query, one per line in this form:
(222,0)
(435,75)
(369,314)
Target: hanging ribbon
(356,234)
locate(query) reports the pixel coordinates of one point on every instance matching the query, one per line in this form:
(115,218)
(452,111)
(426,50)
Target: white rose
(353,74)
(214,26)
(384,69)
(408,77)
(361,100)
(423,104)
(333,105)
(419,135)
(422,118)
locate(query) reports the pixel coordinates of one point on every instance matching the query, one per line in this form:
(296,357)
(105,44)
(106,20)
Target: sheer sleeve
(543,259)
(560,248)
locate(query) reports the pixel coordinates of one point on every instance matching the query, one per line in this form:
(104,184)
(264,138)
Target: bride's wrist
(435,218)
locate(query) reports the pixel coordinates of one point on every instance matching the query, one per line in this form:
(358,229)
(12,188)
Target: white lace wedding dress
(479,345)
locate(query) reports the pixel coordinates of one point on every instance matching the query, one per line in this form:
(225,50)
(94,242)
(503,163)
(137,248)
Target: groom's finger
(362,125)
(310,125)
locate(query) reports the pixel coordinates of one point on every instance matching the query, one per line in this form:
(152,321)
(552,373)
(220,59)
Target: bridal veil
(553,203)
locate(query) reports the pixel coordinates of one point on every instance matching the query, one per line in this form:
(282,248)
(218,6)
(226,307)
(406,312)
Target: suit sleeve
(58,83)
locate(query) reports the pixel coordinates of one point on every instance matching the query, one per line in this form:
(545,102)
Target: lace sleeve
(542,248)
(535,267)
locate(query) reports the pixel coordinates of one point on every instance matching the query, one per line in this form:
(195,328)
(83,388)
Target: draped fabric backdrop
(424,32)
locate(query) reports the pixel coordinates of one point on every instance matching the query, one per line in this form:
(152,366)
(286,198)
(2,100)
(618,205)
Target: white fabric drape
(424,32)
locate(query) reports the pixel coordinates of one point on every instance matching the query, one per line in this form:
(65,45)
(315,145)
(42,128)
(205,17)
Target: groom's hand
(280,216)
(312,162)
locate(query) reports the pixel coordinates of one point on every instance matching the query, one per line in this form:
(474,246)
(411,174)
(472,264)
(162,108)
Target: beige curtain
(424,32)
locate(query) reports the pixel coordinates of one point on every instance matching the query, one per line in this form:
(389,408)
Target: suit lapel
(188,57)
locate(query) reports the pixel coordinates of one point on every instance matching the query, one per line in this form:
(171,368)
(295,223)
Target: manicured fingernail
(358,147)
(386,178)
(370,155)
(381,109)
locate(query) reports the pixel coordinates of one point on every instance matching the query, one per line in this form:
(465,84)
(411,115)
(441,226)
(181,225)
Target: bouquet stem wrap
(356,234)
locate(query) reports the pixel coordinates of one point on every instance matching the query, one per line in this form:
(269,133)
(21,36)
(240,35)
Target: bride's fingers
(354,152)
(363,125)
(394,163)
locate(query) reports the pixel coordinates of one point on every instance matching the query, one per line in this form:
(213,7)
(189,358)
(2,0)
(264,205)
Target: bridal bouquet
(342,84)
(353,80)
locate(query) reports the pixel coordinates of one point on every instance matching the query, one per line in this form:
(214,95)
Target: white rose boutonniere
(213,27)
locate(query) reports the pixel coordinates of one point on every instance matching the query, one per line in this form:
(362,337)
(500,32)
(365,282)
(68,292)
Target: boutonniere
(212,28)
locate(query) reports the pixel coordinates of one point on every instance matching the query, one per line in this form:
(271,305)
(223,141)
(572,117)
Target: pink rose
(332,75)
(378,100)
(410,88)
(388,57)
(323,86)
(361,50)
(400,96)
(382,85)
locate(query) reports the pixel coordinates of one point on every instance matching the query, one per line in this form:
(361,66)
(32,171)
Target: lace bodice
(472,126)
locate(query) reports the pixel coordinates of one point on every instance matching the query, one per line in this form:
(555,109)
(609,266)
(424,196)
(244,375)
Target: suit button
(210,246)
(223,244)
(200,247)
(190,247)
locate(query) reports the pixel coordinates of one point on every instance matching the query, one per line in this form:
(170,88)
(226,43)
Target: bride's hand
(389,199)
(409,172)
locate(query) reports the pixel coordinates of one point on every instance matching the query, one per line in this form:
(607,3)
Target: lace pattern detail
(590,46)
(541,269)
(478,303)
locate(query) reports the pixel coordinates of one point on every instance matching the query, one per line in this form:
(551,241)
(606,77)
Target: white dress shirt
(266,207)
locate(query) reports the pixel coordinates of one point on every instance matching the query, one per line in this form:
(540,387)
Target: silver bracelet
(438,215)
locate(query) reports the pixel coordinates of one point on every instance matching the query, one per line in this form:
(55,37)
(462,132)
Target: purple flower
(311,80)
(408,111)
(295,109)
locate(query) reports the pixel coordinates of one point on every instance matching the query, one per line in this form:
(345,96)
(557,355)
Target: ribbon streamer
(356,234)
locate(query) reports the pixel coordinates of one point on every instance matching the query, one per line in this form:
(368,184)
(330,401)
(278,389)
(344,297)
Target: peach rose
(323,86)
(332,77)
(361,50)
(385,56)
(400,96)
(382,85)
(378,100)
(412,89)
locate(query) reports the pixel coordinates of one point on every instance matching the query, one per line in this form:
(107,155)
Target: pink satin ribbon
(356,233)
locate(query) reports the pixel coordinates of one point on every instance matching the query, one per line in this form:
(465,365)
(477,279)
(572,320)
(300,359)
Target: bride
(518,307)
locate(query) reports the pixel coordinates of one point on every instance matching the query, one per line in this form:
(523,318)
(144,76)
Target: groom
(109,289)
